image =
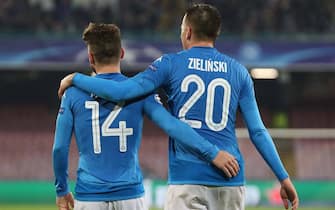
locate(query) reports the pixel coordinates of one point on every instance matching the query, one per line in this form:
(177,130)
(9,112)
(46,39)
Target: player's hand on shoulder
(65,202)
(227,163)
(288,193)
(65,83)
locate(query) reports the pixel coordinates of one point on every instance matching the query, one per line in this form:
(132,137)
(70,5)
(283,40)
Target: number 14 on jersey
(122,131)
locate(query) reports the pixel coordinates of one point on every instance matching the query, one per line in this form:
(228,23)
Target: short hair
(104,41)
(205,21)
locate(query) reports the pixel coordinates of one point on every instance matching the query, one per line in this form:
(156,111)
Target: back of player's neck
(201,44)
(105,69)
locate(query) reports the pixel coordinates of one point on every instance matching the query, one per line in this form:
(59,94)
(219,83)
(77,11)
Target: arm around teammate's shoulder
(108,89)
(113,90)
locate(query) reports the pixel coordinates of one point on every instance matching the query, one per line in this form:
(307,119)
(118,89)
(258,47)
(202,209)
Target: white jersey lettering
(207,65)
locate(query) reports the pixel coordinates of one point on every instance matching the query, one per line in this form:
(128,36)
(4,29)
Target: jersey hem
(218,184)
(106,197)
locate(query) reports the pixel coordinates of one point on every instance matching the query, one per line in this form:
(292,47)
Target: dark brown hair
(104,41)
(205,21)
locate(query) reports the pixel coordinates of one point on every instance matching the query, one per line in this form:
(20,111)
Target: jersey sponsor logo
(207,65)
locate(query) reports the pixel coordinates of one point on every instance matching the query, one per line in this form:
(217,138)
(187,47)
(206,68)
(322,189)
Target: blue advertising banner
(283,54)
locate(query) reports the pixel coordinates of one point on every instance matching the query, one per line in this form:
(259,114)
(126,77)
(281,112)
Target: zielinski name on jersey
(207,65)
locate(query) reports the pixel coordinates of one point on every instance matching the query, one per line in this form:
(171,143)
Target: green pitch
(53,207)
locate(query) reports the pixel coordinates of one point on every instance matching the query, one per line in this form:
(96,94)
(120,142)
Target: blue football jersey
(204,87)
(108,136)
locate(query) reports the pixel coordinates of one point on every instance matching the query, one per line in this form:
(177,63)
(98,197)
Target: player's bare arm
(288,193)
(65,202)
(65,83)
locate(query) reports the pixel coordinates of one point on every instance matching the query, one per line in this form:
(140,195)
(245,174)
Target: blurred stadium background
(288,46)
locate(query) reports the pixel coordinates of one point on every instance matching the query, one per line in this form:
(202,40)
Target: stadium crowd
(239,16)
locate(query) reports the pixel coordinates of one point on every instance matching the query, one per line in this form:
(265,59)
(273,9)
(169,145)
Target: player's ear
(122,53)
(188,33)
(91,58)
